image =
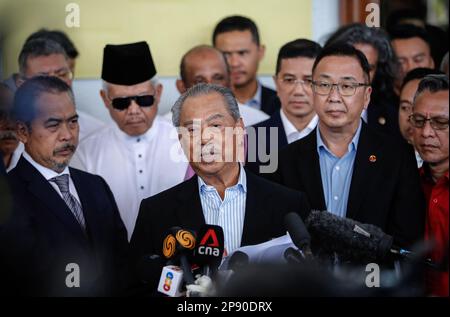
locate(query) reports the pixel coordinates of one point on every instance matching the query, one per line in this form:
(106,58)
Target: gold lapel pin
(372,159)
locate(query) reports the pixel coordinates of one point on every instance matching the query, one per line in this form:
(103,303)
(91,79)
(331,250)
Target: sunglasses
(125,102)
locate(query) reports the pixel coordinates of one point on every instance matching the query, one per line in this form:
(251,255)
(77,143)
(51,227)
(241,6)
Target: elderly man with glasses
(345,167)
(430,132)
(139,156)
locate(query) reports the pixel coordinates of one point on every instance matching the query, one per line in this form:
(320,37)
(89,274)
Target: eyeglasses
(292,81)
(346,89)
(124,102)
(437,123)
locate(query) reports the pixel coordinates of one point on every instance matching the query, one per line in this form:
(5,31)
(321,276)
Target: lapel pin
(372,158)
(382,120)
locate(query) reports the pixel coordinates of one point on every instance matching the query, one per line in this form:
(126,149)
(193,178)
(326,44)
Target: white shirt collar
(292,134)
(46,172)
(242,181)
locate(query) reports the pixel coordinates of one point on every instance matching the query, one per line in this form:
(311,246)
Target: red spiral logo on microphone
(186,239)
(169,246)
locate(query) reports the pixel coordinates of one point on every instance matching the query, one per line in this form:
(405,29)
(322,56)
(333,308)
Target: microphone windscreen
(297,230)
(351,240)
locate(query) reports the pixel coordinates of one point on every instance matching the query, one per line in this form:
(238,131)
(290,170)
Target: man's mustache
(8,135)
(65,147)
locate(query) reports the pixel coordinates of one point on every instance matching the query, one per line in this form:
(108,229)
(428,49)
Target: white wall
(325,19)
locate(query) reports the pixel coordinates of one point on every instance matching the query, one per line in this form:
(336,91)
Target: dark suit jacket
(269,102)
(385,193)
(43,236)
(266,205)
(382,115)
(2,165)
(253,163)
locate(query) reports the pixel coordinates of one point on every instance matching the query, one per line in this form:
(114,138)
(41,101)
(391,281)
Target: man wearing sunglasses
(430,133)
(139,155)
(345,167)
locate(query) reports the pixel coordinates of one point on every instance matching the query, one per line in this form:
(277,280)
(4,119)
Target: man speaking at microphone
(248,208)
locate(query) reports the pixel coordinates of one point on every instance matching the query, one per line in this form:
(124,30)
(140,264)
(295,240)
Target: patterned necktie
(75,207)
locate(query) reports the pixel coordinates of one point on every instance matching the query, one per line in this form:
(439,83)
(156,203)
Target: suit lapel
(364,170)
(93,221)
(44,192)
(309,168)
(254,203)
(282,139)
(190,212)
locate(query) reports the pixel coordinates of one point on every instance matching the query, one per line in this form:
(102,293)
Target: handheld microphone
(293,256)
(299,235)
(171,281)
(238,260)
(209,249)
(177,245)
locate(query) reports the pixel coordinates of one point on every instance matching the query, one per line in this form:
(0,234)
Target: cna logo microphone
(210,246)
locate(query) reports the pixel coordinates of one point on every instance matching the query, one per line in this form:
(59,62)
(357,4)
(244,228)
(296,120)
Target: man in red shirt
(430,131)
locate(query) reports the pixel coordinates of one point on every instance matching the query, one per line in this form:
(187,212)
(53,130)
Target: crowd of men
(358,128)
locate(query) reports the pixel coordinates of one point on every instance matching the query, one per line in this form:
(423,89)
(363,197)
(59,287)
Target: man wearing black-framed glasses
(344,166)
(139,154)
(430,133)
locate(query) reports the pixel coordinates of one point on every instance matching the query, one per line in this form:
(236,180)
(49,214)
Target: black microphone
(293,256)
(238,260)
(209,249)
(178,245)
(299,235)
(352,240)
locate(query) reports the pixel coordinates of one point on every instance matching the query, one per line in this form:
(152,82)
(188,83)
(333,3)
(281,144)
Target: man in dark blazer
(296,118)
(345,167)
(269,102)
(237,37)
(2,165)
(65,236)
(250,209)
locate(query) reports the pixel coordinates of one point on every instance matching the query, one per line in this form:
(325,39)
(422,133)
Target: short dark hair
(395,18)
(24,108)
(432,83)
(409,31)
(342,49)
(236,23)
(419,73)
(59,37)
(38,47)
(298,48)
